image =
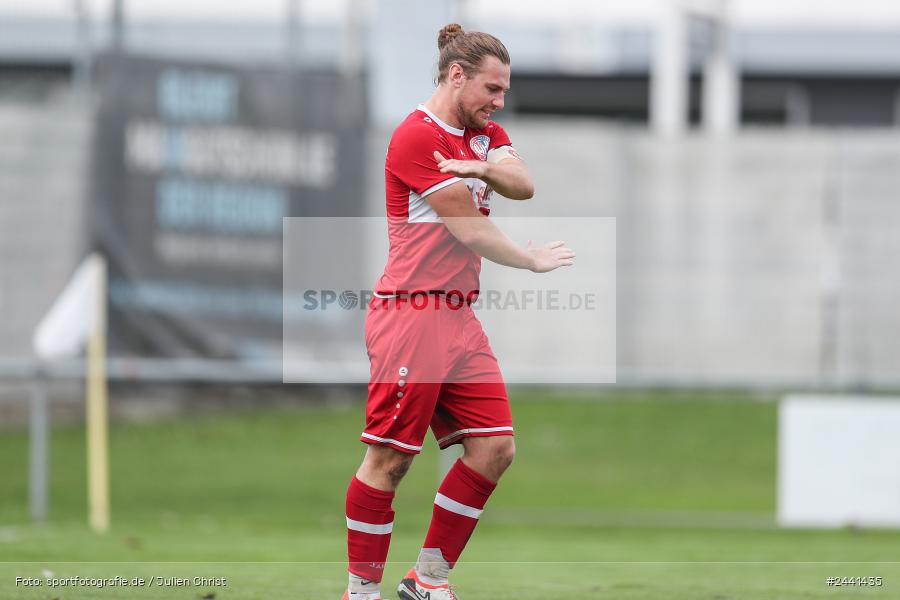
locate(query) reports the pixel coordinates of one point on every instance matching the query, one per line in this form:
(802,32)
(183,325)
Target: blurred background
(747,151)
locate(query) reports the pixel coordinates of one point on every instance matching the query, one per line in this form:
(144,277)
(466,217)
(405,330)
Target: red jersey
(424,256)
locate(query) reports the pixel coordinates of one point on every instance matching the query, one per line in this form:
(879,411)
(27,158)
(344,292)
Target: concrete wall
(44,157)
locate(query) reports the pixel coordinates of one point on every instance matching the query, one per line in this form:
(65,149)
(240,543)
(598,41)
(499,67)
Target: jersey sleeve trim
(440,186)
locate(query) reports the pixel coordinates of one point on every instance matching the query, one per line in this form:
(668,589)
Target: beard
(470,119)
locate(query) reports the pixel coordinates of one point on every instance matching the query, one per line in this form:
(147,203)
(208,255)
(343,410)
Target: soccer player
(431,363)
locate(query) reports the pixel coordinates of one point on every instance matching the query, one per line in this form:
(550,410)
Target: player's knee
(398,468)
(504,452)
(385,466)
(490,456)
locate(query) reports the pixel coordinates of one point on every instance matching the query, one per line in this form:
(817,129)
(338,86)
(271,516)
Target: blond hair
(467,49)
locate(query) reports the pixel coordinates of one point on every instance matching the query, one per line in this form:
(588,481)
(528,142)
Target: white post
(97,414)
(117,25)
(38,464)
(292,32)
(720,79)
(797,109)
(83,54)
(669,74)
(354,31)
(77,317)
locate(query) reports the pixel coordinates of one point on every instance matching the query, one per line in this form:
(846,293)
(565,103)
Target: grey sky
(786,13)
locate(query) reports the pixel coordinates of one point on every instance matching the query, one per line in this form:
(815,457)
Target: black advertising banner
(194,168)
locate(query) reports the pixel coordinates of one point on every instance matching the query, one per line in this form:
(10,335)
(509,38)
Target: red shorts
(431,365)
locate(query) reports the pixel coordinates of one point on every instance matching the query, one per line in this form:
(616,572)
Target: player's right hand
(551,256)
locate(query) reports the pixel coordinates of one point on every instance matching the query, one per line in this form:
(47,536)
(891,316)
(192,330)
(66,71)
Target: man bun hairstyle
(448,33)
(467,49)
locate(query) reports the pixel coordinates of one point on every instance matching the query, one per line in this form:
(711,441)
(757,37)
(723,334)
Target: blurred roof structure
(565,48)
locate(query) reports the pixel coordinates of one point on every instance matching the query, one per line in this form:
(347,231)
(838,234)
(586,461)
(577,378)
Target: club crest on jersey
(479,145)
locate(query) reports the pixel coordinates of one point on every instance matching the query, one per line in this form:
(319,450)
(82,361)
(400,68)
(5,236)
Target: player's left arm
(503,170)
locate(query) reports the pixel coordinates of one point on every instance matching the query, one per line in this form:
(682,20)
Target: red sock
(370,521)
(457,507)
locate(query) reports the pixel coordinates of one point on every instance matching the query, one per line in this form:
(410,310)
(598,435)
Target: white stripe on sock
(370,527)
(456,507)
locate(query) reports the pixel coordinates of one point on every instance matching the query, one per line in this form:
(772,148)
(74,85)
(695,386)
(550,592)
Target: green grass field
(635,496)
